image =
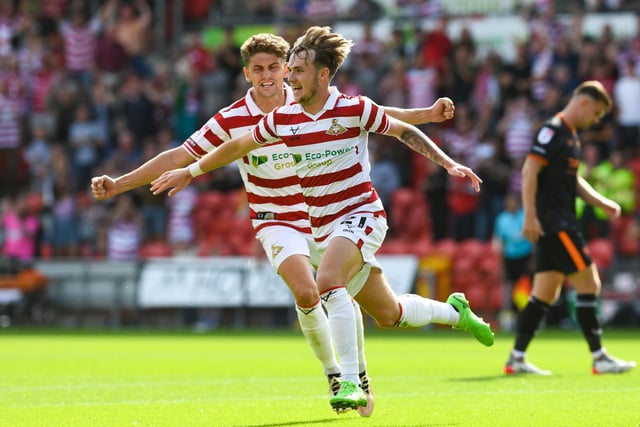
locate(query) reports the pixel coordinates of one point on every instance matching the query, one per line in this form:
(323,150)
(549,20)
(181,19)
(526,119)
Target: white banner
(237,282)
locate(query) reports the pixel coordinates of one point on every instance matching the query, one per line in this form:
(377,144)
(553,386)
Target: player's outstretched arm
(441,110)
(415,139)
(104,187)
(177,179)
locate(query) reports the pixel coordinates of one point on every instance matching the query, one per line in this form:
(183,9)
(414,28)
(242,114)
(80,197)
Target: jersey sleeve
(545,144)
(373,118)
(265,131)
(205,139)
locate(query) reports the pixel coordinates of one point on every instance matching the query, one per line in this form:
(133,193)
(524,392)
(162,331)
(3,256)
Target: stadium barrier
(111,288)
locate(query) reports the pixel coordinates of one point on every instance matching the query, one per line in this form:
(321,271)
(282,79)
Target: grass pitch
(433,377)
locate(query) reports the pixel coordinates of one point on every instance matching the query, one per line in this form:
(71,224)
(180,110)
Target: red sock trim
(395,325)
(332,289)
(311,306)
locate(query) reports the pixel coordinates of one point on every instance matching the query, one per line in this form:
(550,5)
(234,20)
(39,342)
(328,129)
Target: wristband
(195,170)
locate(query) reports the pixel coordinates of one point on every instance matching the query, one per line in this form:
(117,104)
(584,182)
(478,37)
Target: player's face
(592,112)
(266,73)
(303,79)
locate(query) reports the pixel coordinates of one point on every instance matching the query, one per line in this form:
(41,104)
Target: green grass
(421,378)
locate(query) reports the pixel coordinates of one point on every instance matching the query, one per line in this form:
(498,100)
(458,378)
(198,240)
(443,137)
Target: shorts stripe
(574,253)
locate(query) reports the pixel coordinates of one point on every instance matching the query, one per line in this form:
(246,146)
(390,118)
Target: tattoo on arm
(422,145)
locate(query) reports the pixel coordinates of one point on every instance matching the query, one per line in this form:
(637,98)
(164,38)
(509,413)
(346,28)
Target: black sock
(528,322)
(588,320)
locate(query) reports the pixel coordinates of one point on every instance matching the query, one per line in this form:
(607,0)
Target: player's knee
(306,296)
(386,318)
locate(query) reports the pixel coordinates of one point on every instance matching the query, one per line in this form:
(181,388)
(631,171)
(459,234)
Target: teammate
(326,133)
(550,184)
(277,208)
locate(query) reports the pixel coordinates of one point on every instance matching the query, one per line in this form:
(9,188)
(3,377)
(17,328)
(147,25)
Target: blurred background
(97,87)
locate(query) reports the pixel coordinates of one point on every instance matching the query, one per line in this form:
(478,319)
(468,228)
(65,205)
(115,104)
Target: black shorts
(564,251)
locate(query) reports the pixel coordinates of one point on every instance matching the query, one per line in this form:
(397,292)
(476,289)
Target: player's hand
(173,180)
(443,109)
(532,229)
(460,170)
(611,208)
(103,187)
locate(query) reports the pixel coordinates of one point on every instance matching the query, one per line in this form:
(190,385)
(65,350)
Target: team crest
(275,250)
(545,135)
(336,128)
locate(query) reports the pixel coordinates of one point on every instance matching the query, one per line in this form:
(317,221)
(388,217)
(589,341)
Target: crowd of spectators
(83,93)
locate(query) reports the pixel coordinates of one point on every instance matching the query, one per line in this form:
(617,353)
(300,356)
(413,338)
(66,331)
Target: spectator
(494,166)
(20,228)
(86,140)
(42,82)
(516,251)
(131,28)
(124,232)
(64,239)
(137,108)
(436,46)
(422,81)
(626,93)
(385,176)
(180,233)
(612,179)
(111,59)
(367,10)
(516,126)
(393,89)
(9,140)
(188,111)
(79,36)
(38,158)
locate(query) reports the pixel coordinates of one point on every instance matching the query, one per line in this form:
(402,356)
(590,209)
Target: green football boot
(350,396)
(469,322)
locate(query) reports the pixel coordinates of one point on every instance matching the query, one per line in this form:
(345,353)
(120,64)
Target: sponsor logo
(327,153)
(294,130)
(258,160)
(545,135)
(266,215)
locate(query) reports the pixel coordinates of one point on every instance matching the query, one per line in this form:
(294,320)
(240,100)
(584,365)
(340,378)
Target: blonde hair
(264,43)
(594,90)
(329,49)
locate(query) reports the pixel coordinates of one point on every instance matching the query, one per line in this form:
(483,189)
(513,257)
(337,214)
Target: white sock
(342,325)
(362,361)
(518,354)
(315,328)
(418,311)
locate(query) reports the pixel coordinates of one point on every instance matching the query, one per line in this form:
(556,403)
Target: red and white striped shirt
(332,155)
(80,44)
(269,174)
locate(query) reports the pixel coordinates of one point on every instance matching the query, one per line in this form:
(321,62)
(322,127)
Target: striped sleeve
(205,139)
(374,118)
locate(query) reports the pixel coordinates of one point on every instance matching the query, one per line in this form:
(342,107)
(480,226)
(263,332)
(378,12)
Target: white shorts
(367,231)
(280,242)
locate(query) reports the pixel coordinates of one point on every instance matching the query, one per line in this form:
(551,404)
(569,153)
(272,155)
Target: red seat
(158,248)
(625,236)
(602,251)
